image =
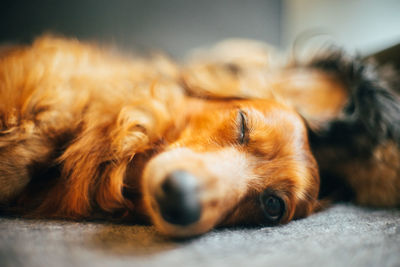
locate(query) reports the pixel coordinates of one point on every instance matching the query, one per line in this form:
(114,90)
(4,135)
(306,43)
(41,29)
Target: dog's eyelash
(243,135)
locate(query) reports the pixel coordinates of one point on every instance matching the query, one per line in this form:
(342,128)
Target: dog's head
(235,162)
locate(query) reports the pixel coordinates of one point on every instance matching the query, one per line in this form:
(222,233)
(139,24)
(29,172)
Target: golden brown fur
(87,133)
(79,124)
(97,107)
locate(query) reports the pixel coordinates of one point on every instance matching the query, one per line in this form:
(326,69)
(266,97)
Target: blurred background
(176,26)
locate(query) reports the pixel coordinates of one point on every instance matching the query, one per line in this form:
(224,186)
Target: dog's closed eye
(243,129)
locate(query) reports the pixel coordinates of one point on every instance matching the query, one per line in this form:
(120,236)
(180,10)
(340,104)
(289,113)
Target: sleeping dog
(225,139)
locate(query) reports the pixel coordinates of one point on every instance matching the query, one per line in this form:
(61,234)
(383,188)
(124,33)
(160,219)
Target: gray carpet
(343,235)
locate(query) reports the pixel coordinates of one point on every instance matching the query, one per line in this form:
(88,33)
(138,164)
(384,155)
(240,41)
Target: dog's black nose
(178,198)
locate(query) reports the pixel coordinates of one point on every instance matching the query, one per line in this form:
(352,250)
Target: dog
(87,133)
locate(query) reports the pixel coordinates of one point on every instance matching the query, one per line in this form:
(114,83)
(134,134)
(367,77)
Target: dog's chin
(181,232)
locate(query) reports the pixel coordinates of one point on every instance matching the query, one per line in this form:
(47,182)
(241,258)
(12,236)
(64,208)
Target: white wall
(362,25)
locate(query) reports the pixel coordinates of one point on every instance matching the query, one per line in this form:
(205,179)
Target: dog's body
(84,133)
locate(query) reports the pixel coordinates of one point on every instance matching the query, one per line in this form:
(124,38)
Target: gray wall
(171,25)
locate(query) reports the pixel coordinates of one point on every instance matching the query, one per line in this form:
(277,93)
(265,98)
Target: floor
(344,235)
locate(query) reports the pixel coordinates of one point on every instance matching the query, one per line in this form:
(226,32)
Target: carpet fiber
(344,235)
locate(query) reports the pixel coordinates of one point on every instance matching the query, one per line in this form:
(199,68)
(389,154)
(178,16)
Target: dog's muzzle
(178,198)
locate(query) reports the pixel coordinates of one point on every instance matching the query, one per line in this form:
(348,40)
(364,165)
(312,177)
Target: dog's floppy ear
(373,104)
(370,117)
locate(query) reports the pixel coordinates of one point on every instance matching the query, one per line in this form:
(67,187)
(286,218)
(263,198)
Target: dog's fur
(86,133)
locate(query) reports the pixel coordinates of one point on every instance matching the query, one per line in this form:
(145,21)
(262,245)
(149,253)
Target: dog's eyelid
(243,129)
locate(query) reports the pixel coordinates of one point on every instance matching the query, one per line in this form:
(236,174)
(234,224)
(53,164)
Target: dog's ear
(373,104)
(370,117)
